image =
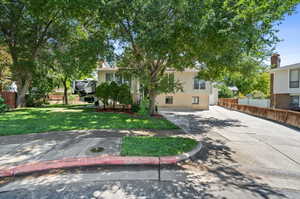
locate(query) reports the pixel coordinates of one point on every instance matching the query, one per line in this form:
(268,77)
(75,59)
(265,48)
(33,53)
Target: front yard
(156,146)
(63,118)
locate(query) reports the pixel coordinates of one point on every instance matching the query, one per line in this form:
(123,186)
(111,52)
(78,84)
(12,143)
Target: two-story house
(285,86)
(196,94)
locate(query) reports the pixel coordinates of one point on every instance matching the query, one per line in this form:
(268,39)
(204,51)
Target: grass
(63,118)
(155,146)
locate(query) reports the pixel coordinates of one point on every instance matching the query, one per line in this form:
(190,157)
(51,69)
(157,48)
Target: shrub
(135,108)
(225,92)
(258,94)
(114,92)
(144,108)
(3,107)
(103,93)
(124,95)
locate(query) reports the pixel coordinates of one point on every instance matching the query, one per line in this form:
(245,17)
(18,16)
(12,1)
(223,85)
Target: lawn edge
(97,161)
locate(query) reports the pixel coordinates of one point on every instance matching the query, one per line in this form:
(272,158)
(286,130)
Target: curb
(97,161)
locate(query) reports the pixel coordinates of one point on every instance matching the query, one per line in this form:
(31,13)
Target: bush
(103,93)
(225,92)
(135,108)
(3,107)
(124,95)
(34,99)
(258,94)
(106,92)
(144,108)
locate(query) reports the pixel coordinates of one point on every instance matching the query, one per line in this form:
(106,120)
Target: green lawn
(56,118)
(155,146)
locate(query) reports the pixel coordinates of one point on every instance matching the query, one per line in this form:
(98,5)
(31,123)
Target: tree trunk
(66,102)
(152,96)
(22,87)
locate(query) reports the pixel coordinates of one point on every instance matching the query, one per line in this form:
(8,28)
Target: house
(285,87)
(196,94)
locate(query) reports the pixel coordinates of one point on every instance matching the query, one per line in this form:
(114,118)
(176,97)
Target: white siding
(281,81)
(213,95)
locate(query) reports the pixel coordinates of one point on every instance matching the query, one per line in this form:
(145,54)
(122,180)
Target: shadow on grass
(36,120)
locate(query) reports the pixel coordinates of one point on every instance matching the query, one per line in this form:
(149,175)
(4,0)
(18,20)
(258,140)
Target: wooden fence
(58,99)
(228,100)
(284,116)
(9,98)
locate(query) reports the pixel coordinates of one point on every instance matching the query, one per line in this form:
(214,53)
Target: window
(118,78)
(195,100)
(169,100)
(294,78)
(295,101)
(199,84)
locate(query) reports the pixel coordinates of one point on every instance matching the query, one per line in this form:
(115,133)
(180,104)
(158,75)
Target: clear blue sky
(289,31)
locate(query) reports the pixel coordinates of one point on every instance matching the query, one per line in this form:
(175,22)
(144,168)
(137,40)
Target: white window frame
(197,101)
(199,84)
(296,82)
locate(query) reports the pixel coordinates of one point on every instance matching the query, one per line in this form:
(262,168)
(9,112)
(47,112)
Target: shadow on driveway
(196,124)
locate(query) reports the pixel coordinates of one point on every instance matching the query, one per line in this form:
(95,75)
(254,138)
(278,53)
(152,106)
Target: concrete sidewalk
(32,148)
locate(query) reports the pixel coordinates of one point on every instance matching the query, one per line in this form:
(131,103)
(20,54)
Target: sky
(289,31)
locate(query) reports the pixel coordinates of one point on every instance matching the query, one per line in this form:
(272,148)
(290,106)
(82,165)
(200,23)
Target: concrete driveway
(265,149)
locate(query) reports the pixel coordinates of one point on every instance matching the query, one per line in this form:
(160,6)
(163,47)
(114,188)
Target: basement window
(195,100)
(169,100)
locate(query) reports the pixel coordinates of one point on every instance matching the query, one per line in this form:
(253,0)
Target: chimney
(275,60)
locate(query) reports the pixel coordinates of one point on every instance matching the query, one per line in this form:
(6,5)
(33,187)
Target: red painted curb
(78,162)
(93,161)
(169,160)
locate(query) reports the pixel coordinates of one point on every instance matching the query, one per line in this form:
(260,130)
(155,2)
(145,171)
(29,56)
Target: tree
(74,55)
(154,36)
(103,93)
(28,26)
(248,75)
(225,92)
(124,95)
(114,92)
(25,27)
(263,83)
(5,62)
(42,84)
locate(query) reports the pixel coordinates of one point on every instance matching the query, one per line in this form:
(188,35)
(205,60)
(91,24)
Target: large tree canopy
(27,26)
(249,75)
(152,36)
(149,36)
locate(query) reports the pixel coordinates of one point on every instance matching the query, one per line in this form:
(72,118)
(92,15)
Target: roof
(292,66)
(103,66)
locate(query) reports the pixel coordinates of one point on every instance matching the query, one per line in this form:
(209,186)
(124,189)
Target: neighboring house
(285,86)
(196,94)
